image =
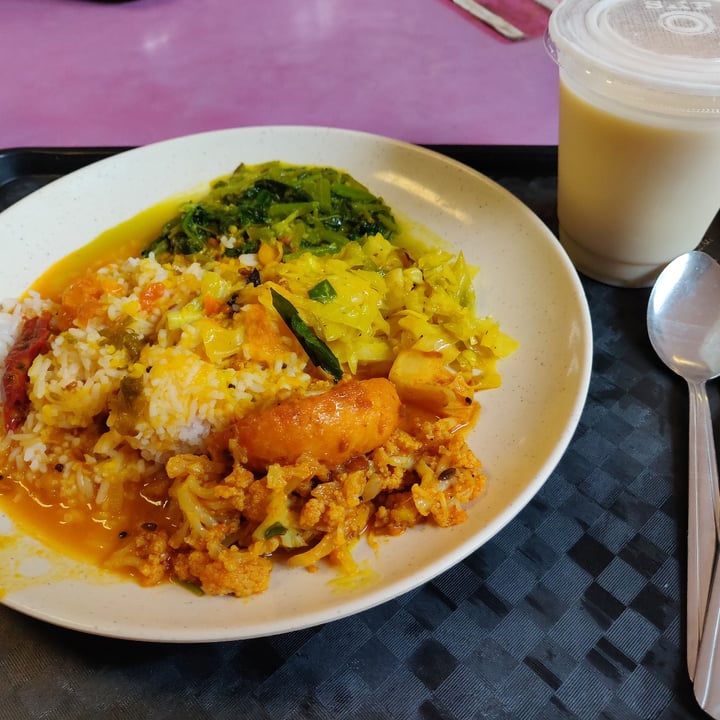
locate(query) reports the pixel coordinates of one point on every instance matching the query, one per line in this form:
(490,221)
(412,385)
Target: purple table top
(78,72)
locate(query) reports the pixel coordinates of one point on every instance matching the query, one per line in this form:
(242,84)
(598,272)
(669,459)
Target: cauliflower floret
(144,556)
(231,572)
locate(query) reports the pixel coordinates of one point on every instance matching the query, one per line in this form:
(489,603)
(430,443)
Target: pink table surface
(77,72)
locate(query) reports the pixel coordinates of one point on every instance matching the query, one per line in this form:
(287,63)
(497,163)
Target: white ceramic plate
(526,281)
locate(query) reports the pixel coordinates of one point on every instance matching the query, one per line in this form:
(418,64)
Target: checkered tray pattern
(574,611)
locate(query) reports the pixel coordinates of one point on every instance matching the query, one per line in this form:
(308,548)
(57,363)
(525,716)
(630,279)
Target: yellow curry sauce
(70,532)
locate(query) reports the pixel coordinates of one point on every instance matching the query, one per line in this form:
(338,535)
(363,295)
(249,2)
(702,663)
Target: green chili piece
(323,292)
(191,587)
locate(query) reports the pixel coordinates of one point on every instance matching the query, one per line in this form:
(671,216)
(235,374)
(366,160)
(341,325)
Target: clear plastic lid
(666,51)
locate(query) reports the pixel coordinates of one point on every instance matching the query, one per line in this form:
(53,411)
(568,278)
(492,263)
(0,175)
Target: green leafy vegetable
(274,530)
(323,292)
(306,209)
(318,352)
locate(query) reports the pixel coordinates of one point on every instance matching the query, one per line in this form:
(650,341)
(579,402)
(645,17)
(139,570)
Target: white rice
(75,385)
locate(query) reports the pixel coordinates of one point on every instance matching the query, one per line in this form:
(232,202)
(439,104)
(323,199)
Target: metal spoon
(683,321)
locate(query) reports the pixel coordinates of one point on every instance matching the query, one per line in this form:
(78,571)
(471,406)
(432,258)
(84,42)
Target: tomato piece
(150,295)
(33,339)
(212,306)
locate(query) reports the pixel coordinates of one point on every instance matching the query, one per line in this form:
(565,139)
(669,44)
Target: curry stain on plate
(364,577)
(127,239)
(27,563)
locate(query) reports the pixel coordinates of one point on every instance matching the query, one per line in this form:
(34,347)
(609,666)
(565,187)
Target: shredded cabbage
(387,301)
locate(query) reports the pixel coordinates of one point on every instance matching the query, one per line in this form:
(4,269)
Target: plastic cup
(639,132)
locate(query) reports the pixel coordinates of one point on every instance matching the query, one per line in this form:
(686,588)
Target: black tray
(574,610)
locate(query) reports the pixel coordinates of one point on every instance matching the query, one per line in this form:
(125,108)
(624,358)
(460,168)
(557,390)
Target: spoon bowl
(684,316)
(683,321)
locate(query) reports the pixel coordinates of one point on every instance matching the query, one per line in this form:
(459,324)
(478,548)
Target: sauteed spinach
(301,208)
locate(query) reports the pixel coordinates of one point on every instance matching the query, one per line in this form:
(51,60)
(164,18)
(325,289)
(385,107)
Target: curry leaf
(318,352)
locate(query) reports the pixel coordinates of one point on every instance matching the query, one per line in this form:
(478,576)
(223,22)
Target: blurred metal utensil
(497,23)
(706,685)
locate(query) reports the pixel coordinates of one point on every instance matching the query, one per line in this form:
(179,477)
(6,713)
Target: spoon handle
(707,672)
(703,526)
(703,533)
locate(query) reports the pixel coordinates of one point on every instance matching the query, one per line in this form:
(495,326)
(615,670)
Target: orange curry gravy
(76,532)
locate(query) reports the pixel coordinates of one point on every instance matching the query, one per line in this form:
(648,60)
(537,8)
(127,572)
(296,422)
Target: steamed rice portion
(184,395)
(178,409)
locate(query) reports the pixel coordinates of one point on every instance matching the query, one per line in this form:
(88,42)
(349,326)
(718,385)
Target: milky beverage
(632,195)
(639,133)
